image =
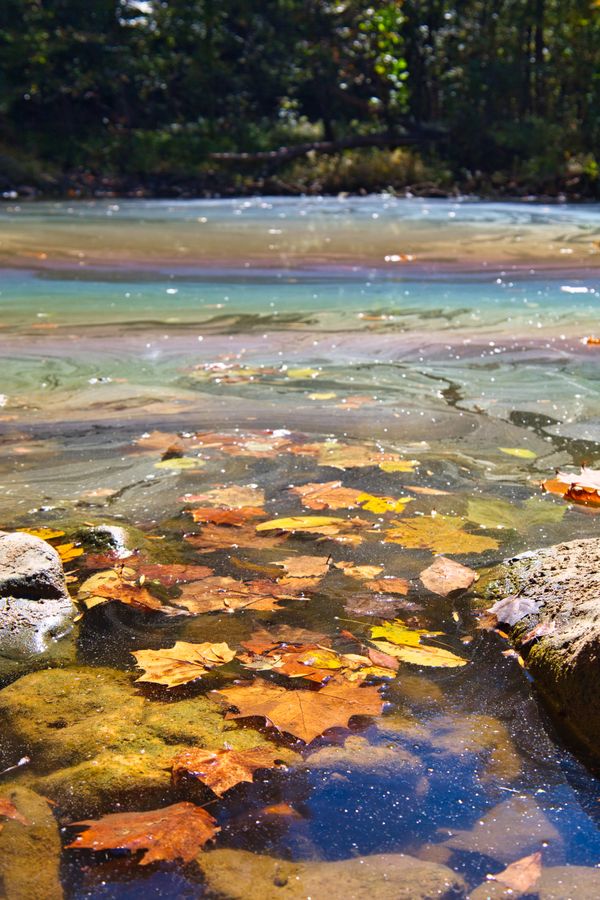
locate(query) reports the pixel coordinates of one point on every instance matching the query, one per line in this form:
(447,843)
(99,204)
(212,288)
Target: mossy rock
(240,875)
(95,740)
(29,853)
(560,641)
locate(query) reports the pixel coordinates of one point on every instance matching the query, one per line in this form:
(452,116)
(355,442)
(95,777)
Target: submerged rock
(35,607)
(95,740)
(240,875)
(29,853)
(568,883)
(555,624)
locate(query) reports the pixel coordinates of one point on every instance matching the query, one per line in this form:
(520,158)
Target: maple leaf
(181,663)
(304,566)
(442,534)
(220,770)
(327,495)
(583,488)
(235,496)
(221,537)
(263,640)
(303,713)
(224,594)
(9,811)
(389,584)
(173,832)
(234,517)
(311,661)
(444,576)
(521,875)
(112,585)
(311,524)
(170,574)
(346,456)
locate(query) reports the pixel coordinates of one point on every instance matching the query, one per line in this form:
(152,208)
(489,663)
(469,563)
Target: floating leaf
(389,584)
(422,655)
(304,566)
(178,463)
(327,495)
(362,573)
(224,594)
(381,505)
(303,713)
(522,875)
(234,517)
(170,574)
(173,832)
(181,663)
(220,770)
(346,456)
(236,496)
(519,452)
(112,585)
(444,576)
(67,552)
(222,537)
(46,534)
(442,534)
(399,633)
(311,524)
(583,488)
(323,395)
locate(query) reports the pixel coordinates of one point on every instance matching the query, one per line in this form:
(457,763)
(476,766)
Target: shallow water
(458,325)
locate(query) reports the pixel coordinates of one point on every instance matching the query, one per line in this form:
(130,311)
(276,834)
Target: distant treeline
(503,93)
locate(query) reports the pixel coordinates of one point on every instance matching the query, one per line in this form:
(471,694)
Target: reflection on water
(309,316)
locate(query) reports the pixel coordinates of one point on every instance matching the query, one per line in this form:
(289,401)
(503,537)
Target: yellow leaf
(422,656)
(399,633)
(442,534)
(520,452)
(302,373)
(180,462)
(380,505)
(67,552)
(405,465)
(325,395)
(314,524)
(46,534)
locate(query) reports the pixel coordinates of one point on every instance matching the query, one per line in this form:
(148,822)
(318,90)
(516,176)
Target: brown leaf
(379,658)
(362,573)
(304,566)
(444,576)
(181,663)
(521,875)
(170,574)
(263,640)
(224,594)
(9,811)
(328,495)
(158,441)
(235,496)
(347,456)
(259,444)
(221,770)
(305,714)
(235,517)
(221,537)
(113,585)
(389,584)
(173,832)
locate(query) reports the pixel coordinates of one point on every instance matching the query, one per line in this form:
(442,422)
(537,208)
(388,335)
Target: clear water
(463,325)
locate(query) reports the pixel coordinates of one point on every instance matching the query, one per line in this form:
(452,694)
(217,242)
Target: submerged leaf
(235,496)
(522,875)
(519,452)
(389,584)
(234,517)
(220,770)
(222,537)
(444,576)
(442,534)
(512,609)
(501,514)
(305,714)
(327,495)
(173,832)
(224,594)
(178,463)
(311,524)
(304,566)
(181,663)
(9,811)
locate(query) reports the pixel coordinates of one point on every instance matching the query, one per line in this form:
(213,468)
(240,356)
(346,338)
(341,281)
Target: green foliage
(122,86)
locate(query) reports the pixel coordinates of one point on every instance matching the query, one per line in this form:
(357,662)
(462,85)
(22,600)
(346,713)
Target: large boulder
(549,601)
(35,607)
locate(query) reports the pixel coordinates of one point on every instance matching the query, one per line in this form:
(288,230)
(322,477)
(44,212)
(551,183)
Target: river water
(448,332)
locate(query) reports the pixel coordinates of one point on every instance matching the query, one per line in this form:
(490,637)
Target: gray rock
(558,589)
(240,875)
(35,607)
